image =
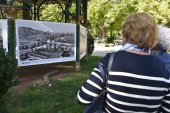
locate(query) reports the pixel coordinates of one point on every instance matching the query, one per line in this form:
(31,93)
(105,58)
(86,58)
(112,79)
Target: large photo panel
(83,41)
(3,34)
(40,42)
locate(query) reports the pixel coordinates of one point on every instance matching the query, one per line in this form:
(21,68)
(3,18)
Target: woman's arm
(165,106)
(94,85)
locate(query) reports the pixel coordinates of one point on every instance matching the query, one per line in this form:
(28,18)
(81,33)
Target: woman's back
(136,83)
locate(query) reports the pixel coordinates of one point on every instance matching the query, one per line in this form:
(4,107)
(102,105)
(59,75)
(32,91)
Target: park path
(101,50)
(40,74)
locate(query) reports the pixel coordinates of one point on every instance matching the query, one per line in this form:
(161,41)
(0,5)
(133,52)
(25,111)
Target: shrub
(111,39)
(7,74)
(90,44)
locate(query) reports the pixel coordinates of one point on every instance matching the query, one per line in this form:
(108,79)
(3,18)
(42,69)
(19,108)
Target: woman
(138,82)
(161,49)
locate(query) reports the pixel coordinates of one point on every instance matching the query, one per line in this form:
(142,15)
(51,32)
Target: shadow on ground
(40,75)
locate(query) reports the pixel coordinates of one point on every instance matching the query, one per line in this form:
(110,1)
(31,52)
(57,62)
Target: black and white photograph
(83,41)
(40,42)
(3,34)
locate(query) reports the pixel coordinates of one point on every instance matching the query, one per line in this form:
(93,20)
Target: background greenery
(110,14)
(106,16)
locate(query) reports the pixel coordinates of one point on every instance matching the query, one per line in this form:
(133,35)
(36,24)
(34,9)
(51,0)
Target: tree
(50,12)
(159,9)
(98,10)
(111,14)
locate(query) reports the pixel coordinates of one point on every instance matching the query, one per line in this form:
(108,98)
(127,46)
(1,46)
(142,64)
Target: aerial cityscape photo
(36,44)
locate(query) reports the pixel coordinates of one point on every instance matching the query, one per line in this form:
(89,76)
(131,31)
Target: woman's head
(164,38)
(140,29)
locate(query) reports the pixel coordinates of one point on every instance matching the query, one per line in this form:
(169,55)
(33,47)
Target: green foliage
(111,39)
(110,14)
(50,12)
(61,97)
(98,17)
(160,10)
(103,13)
(7,74)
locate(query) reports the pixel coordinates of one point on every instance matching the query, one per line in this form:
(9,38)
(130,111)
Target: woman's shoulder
(106,58)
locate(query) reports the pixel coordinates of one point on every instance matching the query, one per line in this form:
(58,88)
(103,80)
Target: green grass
(59,98)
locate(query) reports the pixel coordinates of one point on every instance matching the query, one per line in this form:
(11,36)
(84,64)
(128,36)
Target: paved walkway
(101,50)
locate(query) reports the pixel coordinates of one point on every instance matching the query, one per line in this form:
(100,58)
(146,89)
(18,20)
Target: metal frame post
(85,3)
(35,9)
(27,10)
(11,37)
(66,13)
(78,3)
(11,28)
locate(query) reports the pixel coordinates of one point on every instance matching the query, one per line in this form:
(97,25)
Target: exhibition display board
(41,42)
(4,34)
(83,41)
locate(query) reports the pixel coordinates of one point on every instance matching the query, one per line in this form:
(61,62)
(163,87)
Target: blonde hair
(140,29)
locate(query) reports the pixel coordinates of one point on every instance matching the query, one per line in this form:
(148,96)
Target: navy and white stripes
(131,91)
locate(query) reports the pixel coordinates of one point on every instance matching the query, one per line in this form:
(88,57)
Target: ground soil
(39,75)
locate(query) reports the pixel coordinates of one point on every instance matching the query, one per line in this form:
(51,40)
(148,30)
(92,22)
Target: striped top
(136,84)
